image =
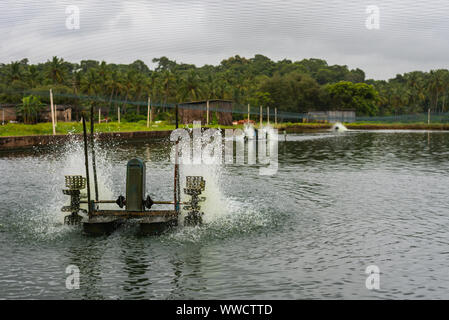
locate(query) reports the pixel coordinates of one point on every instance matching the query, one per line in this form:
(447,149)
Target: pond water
(338,204)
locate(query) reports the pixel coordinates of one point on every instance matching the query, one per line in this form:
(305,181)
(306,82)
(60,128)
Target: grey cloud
(411,34)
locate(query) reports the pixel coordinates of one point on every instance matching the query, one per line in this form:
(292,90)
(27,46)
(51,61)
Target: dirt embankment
(21,142)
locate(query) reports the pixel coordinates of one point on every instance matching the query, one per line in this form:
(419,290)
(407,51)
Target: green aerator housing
(135,185)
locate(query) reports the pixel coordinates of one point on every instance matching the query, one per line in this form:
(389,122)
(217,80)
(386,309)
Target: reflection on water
(339,203)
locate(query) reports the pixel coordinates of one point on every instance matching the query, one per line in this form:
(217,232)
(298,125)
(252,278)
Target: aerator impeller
(74,185)
(195,185)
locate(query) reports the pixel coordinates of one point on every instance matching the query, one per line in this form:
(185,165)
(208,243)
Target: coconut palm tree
(103,76)
(90,83)
(30,108)
(33,76)
(128,83)
(76,88)
(13,72)
(167,79)
(191,86)
(435,85)
(444,87)
(56,71)
(141,83)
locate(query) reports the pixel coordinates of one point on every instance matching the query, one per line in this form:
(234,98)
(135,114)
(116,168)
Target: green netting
(240,111)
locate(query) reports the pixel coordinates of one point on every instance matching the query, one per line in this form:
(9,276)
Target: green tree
(191,86)
(56,70)
(29,109)
(360,97)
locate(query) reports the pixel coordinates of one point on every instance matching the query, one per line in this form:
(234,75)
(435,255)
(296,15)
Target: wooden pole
(99,115)
(118,114)
(176,115)
(177,189)
(175,182)
(86,163)
(261,116)
(268,115)
(52,112)
(3,116)
(275,116)
(428,116)
(56,115)
(248,112)
(148,112)
(207,112)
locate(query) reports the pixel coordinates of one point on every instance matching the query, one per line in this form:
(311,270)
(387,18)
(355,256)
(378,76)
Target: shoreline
(11,143)
(365,126)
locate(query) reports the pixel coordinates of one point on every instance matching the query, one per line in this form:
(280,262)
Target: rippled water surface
(337,204)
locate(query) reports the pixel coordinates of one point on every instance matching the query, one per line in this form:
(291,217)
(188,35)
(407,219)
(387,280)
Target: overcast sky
(412,34)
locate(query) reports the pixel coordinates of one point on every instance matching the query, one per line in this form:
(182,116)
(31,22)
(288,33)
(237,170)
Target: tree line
(290,86)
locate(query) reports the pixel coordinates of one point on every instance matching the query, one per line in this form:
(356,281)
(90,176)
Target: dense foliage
(300,86)
(29,109)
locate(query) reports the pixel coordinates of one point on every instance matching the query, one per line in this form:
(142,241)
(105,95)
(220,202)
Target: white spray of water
(222,214)
(249,131)
(215,204)
(45,220)
(73,164)
(339,127)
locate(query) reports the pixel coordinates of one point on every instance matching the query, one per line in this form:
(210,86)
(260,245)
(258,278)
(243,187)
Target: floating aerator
(136,205)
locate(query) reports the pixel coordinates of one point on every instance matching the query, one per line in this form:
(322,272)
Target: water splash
(44,220)
(249,131)
(223,215)
(339,127)
(215,203)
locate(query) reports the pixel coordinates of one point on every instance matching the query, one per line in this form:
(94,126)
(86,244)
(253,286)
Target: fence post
(99,115)
(260,116)
(275,116)
(428,116)
(268,115)
(3,116)
(148,112)
(52,112)
(118,114)
(248,112)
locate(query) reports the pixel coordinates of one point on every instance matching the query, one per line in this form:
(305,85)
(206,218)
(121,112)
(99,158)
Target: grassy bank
(368,126)
(397,126)
(18,129)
